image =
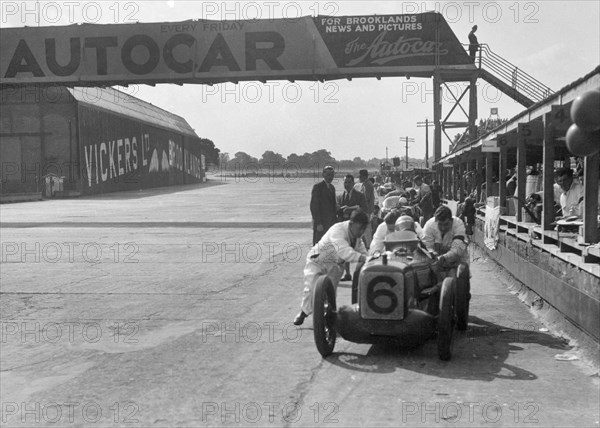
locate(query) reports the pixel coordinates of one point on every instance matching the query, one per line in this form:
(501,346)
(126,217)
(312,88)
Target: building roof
(124,104)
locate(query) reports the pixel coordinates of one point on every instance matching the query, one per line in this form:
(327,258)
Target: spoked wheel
(446,319)
(324,316)
(463,295)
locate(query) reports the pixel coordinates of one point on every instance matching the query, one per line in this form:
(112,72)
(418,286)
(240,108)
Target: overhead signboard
(507,140)
(490,146)
(204,51)
(561,117)
(532,133)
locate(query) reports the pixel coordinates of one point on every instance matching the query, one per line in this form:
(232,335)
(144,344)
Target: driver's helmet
(402,201)
(404,237)
(405,223)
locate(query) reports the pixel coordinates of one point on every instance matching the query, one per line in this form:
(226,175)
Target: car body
(401,295)
(389,204)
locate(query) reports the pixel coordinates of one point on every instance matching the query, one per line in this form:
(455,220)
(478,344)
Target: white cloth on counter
(492,226)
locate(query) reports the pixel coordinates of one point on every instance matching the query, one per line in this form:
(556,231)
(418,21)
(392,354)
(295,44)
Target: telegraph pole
(426,125)
(407,140)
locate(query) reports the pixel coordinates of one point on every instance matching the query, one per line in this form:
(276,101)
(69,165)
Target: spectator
(468,215)
(368,190)
(571,199)
(511,185)
(423,198)
(342,243)
(473,43)
(323,205)
(436,194)
(349,201)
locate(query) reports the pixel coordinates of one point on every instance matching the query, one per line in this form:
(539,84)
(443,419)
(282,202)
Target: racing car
(401,295)
(389,204)
(398,202)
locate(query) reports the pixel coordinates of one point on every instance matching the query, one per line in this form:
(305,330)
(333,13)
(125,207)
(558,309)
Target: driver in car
(341,243)
(397,219)
(445,236)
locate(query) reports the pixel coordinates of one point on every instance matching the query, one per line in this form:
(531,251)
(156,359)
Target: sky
(556,42)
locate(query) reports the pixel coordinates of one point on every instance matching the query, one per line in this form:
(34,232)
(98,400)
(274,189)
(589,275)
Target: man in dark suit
(348,202)
(367,189)
(323,205)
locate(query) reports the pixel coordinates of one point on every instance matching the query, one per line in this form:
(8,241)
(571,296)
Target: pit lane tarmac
(173,307)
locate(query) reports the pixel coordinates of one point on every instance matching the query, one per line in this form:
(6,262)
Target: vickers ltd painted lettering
(110,160)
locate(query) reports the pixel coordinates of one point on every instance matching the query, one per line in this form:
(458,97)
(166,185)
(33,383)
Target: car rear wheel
(462,300)
(324,316)
(354,298)
(446,319)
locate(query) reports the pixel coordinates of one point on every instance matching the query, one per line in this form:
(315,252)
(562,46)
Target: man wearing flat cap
(323,205)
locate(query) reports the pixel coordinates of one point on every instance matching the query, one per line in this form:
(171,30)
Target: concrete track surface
(173,307)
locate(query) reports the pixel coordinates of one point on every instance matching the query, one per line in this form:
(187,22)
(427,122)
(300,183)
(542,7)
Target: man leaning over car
(445,235)
(341,243)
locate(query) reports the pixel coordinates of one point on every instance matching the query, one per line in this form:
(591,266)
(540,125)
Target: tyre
(355,287)
(446,319)
(463,295)
(324,316)
(355,278)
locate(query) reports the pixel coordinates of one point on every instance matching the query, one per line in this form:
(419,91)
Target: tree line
(306,162)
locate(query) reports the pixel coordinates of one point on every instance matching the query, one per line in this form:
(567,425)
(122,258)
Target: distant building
(99,139)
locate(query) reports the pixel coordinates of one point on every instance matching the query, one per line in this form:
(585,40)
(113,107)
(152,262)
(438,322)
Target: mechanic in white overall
(342,243)
(445,235)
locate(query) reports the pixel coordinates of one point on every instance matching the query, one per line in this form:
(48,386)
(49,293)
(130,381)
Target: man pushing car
(342,243)
(445,235)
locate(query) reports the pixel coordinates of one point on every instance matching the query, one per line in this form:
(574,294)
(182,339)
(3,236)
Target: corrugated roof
(124,104)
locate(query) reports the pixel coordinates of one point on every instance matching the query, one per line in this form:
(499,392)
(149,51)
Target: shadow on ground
(480,353)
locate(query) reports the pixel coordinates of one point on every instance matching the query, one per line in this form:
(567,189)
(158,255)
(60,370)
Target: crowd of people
(347,230)
(568,192)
